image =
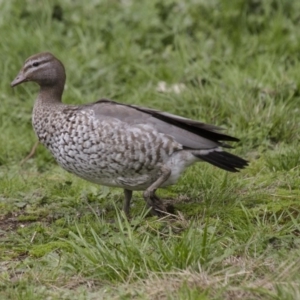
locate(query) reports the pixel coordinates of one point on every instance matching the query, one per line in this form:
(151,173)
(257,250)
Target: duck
(120,145)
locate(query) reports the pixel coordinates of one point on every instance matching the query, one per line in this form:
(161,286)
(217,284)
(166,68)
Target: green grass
(234,236)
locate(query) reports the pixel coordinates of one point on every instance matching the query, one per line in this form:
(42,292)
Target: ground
(233,236)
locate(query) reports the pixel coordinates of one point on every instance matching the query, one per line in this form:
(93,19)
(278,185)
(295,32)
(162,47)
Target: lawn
(235,64)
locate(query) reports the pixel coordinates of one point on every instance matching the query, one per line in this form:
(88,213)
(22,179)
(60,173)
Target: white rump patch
(207,151)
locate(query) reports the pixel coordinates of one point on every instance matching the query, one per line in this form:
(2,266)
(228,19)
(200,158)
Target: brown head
(44,69)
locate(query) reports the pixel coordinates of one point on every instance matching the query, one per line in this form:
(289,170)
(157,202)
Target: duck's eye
(35,64)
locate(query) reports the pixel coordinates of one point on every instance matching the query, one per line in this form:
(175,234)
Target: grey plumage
(120,145)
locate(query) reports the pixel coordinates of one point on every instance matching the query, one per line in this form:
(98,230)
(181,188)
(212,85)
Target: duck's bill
(18,80)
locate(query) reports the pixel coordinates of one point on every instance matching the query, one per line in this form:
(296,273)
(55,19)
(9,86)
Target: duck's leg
(157,207)
(126,204)
(32,152)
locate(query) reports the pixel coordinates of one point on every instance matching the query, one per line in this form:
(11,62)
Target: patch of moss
(27,218)
(41,250)
(60,222)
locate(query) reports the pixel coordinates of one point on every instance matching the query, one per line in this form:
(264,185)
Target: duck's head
(44,69)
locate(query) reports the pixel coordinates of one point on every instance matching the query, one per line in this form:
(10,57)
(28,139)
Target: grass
(234,236)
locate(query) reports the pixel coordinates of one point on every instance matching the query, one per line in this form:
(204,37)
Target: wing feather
(189,133)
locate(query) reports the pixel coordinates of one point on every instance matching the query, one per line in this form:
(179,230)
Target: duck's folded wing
(189,133)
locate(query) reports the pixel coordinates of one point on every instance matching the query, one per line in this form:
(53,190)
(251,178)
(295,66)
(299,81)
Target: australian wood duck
(113,144)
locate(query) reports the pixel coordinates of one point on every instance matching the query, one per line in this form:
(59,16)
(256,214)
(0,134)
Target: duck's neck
(50,95)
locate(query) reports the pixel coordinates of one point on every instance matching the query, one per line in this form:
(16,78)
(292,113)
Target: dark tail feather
(224,160)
